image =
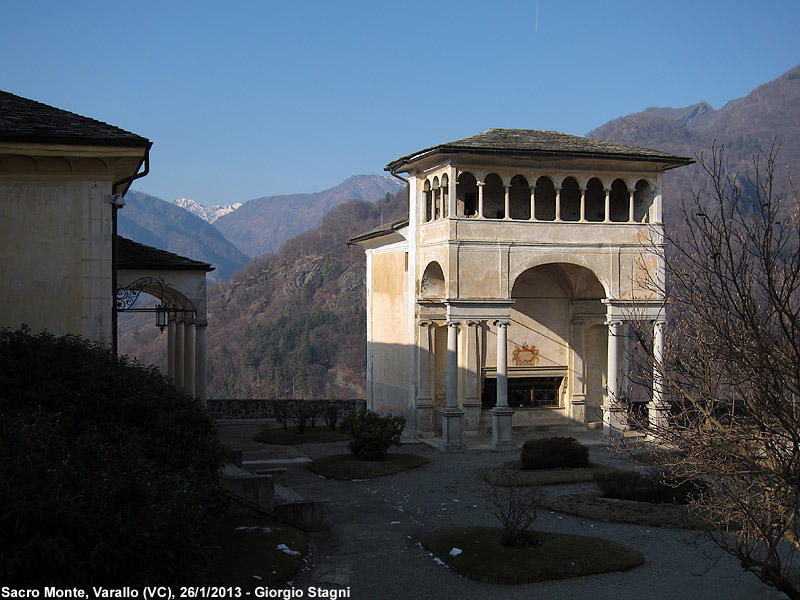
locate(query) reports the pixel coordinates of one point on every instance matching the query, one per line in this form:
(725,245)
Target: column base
(425,426)
(578,409)
(614,420)
(501,428)
(452,430)
(472,416)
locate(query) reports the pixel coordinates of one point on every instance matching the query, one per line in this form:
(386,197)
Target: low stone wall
(262,408)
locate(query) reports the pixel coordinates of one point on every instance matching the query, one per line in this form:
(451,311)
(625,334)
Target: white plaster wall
(56,269)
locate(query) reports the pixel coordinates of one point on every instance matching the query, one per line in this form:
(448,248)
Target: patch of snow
(286,550)
(261,529)
(455,551)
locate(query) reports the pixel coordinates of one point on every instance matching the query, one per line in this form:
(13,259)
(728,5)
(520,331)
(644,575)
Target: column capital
(473,322)
(578,322)
(201,323)
(453,323)
(426,323)
(480,183)
(501,322)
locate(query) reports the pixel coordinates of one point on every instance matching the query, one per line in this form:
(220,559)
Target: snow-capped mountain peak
(207,213)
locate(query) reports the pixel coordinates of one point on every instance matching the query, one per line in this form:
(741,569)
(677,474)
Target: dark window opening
(530,392)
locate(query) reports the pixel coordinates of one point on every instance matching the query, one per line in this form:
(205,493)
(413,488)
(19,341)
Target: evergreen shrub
(554,453)
(373,434)
(109,473)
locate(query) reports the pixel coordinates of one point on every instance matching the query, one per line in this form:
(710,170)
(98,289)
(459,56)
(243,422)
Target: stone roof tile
(531,142)
(23,120)
(133,255)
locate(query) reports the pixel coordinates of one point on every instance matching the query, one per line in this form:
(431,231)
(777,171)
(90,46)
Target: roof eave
(669,161)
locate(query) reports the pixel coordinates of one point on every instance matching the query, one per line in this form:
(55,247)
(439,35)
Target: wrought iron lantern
(161,316)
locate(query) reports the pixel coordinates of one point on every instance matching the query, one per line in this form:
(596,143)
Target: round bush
(554,453)
(110,474)
(373,434)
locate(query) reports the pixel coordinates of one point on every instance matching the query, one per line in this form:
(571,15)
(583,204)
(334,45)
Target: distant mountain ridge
(744,125)
(156,222)
(207,213)
(262,225)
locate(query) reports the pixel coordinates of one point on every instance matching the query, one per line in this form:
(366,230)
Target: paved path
(374,547)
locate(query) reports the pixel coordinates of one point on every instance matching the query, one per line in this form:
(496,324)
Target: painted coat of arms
(526,355)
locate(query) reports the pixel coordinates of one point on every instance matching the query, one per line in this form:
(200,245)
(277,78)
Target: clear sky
(250,98)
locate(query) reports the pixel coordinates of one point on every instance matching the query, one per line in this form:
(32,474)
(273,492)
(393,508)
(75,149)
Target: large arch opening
(570,200)
(619,202)
(548,349)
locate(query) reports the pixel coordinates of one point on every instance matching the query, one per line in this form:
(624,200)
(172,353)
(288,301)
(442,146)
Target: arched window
(642,201)
(545,199)
(595,201)
(427,199)
(467,195)
(619,202)
(570,200)
(519,198)
(494,197)
(445,192)
(437,199)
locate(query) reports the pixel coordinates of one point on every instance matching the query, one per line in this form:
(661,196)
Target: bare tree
(729,375)
(516,508)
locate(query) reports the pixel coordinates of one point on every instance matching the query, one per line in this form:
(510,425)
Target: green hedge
(554,453)
(109,474)
(373,434)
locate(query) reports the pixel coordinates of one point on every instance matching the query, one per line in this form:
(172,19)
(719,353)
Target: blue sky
(251,98)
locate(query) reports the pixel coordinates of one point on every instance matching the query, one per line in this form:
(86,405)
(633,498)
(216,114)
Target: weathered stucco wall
(390,345)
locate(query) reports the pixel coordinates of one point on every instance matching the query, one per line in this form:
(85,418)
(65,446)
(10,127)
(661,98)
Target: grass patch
(596,508)
(248,549)
(292,436)
(512,474)
(347,466)
(560,556)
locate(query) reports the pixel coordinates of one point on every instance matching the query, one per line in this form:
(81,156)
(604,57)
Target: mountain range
(264,224)
(154,222)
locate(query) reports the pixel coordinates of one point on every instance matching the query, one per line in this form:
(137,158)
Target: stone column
(533,203)
(472,369)
(502,414)
(659,410)
(507,202)
(608,205)
(189,354)
(583,205)
(630,204)
(558,203)
(179,349)
(452,414)
(171,345)
(424,402)
(612,411)
(201,363)
(578,402)
(480,185)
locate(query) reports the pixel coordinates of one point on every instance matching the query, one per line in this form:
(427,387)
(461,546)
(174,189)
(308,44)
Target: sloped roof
(23,120)
(531,142)
(379,231)
(135,256)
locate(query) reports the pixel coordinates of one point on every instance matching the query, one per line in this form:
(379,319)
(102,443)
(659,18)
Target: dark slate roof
(23,120)
(133,255)
(530,142)
(379,231)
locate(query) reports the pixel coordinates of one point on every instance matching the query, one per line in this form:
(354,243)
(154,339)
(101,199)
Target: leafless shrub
(516,508)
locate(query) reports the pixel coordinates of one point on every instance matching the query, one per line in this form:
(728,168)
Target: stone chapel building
(502,299)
